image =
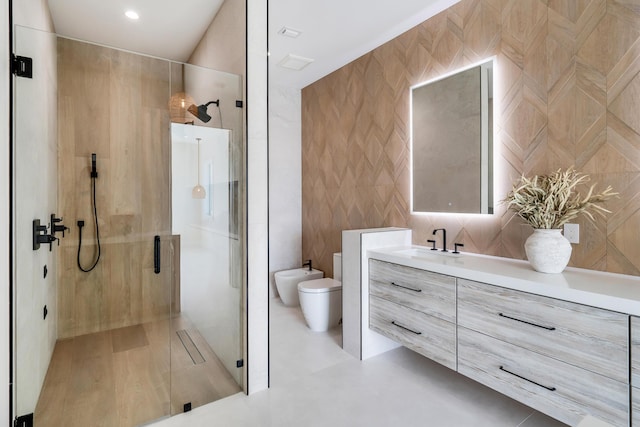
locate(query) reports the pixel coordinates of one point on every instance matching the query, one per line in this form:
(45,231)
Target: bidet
(287,283)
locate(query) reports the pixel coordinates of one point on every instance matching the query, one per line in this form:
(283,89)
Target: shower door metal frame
(11,223)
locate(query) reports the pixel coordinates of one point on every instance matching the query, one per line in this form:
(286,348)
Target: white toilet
(321,299)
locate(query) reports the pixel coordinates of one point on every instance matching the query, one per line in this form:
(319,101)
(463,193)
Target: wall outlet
(572,232)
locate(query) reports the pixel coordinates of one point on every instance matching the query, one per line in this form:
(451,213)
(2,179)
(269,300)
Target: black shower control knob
(51,239)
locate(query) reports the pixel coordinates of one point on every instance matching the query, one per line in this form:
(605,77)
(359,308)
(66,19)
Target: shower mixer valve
(56,227)
(40,235)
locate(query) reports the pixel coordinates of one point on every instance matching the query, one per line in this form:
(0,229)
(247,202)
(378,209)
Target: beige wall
(567,94)
(112,103)
(222,46)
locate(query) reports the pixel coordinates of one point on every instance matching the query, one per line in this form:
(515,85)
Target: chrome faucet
(444,238)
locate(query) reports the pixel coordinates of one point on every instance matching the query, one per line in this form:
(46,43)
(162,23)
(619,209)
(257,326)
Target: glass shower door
(92,343)
(206,355)
(35,198)
(124,319)
(206,156)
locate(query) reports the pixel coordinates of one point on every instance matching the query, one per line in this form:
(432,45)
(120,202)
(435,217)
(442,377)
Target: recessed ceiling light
(132,14)
(289,32)
(294,62)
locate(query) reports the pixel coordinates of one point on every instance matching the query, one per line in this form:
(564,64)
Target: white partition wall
(5,160)
(257,198)
(357,339)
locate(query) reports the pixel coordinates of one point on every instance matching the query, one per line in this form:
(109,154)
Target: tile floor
(120,377)
(315,383)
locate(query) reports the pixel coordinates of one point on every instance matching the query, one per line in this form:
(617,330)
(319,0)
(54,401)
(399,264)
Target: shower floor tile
(128,338)
(129,376)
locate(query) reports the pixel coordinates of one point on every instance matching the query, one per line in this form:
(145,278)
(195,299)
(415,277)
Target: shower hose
(81,224)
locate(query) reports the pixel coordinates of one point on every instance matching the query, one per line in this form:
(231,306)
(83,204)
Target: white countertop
(617,292)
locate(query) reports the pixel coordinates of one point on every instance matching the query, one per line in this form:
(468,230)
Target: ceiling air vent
(294,62)
(289,32)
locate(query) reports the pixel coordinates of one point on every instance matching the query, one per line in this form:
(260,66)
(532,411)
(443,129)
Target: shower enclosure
(156,328)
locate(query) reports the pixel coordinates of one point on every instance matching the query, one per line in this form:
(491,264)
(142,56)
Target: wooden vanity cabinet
(428,335)
(564,359)
(556,388)
(587,337)
(432,293)
(415,308)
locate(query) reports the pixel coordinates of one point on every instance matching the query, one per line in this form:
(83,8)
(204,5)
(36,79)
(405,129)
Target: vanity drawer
(432,337)
(563,391)
(583,336)
(421,290)
(635,352)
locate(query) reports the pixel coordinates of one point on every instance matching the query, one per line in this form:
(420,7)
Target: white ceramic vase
(548,251)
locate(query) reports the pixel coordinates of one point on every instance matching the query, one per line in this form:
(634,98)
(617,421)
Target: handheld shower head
(201,110)
(94,170)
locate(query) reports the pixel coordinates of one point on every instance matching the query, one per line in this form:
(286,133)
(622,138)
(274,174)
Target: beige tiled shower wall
(114,104)
(567,93)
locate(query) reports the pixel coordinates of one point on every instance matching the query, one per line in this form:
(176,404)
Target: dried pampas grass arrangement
(550,201)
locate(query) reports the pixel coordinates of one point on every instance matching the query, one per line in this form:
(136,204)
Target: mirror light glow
(132,14)
(472,116)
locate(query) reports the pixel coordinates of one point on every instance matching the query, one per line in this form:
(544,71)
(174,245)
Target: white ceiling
(333,32)
(169,29)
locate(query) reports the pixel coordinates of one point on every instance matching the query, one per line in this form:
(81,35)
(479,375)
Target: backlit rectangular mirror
(452,142)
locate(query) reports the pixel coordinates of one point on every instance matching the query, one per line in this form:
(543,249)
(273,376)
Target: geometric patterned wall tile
(627,247)
(608,43)
(568,94)
(569,9)
(522,21)
(627,104)
(481,29)
(588,113)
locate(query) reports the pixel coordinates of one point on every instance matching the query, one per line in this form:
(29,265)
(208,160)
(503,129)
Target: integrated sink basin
(427,253)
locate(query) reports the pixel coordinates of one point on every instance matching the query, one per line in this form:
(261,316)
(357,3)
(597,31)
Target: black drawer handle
(548,328)
(527,379)
(156,254)
(405,328)
(405,287)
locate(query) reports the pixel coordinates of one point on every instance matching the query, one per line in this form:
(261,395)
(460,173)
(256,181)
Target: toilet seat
(318,286)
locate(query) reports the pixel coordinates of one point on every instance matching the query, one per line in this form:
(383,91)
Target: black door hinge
(24,421)
(238,104)
(22,66)
(239,363)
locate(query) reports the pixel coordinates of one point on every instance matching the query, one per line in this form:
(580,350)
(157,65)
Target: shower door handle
(156,254)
